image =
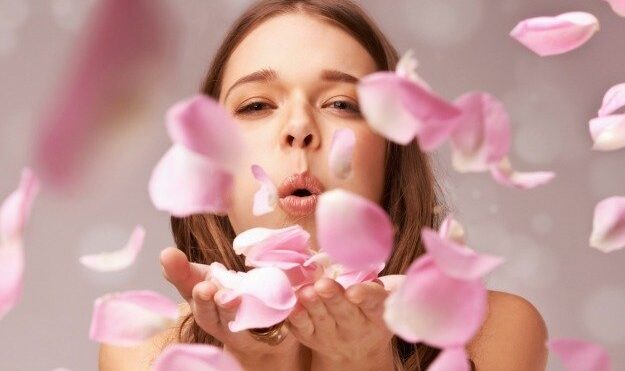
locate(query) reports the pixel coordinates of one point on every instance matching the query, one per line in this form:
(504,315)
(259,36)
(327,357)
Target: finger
(369,297)
(346,315)
(323,322)
(204,309)
(180,273)
(227,306)
(300,323)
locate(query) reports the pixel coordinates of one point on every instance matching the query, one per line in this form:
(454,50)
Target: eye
(345,105)
(252,108)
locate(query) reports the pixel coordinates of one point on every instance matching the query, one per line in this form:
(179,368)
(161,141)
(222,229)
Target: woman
(287,72)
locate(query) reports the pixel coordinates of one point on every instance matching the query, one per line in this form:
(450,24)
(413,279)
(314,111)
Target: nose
(301,130)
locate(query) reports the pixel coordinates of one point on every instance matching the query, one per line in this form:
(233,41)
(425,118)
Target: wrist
(381,359)
(259,361)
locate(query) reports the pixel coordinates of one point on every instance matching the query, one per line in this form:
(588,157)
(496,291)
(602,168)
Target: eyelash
(247,109)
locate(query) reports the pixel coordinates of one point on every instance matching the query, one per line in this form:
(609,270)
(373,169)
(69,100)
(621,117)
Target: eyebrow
(268,75)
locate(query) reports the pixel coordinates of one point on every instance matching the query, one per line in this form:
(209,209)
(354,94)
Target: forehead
(298,46)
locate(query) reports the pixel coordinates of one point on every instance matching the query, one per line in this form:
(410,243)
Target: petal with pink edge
(407,68)
(12,269)
(481,136)
(455,359)
(195,357)
(613,100)
(608,132)
(457,261)
(119,259)
(185,183)
(341,151)
(266,198)
(129,318)
(503,174)
(203,126)
(608,225)
(618,6)
(547,36)
(435,308)
(283,248)
(580,355)
(354,231)
(15,209)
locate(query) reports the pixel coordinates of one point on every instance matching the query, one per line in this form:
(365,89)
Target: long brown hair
(411,196)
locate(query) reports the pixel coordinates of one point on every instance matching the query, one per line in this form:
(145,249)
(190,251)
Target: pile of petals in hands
(441,298)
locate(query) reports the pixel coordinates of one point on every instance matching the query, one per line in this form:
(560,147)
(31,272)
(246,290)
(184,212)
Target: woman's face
(289,113)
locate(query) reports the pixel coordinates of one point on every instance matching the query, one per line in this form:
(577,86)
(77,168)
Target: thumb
(180,272)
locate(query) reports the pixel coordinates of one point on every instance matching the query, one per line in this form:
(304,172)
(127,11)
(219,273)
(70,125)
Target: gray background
(461,45)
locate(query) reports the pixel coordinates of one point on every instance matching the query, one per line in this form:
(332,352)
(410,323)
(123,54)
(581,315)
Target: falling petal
(266,198)
(341,152)
(407,67)
(195,357)
(613,100)
(354,231)
(131,317)
(481,137)
(608,132)
(283,248)
(435,308)
(505,175)
(185,183)
(350,277)
(392,281)
(456,260)
(579,355)
(112,80)
(396,107)
(267,296)
(608,225)
(119,259)
(450,229)
(455,359)
(12,270)
(618,6)
(556,35)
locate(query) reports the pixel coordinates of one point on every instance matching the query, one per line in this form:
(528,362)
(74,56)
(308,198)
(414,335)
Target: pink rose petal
(455,359)
(266,198)
(608,225)
(608,132)
(457,261)
(267,296)
(119,259)
(618,6)
(195,357)
(435,308)
(556,35)
(395,106)
(407,67)
(111,82)
(481,136)
(392,281)
(283,248)
(614,99)
(131,317)
(354,231)
(580,355)
(505,175)
(185,183)
(12,273)
(341,150)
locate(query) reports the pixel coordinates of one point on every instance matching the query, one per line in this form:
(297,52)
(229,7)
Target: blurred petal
(505,175)
(556,35)
(579,355)
(456,260)
(341,151)
(608,225)
(395,107)
(392,281)
(481,136)
(450,229)
(283,248)
(354,231)
(350,277)
(455,359)
(185,183)
(266,198)
(407,68)
(435,308)
(267,296)
(195,357)
(113,78)
(608,132)
(15,209)
(131,317)
(12,275)
(618,6)
(119,259)
(614,98)
(203,126)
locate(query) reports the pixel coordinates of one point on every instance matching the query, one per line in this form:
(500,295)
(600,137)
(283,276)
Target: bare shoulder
(512,337)
(140,357)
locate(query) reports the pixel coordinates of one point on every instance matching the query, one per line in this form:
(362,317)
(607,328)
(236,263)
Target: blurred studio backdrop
(461,45)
